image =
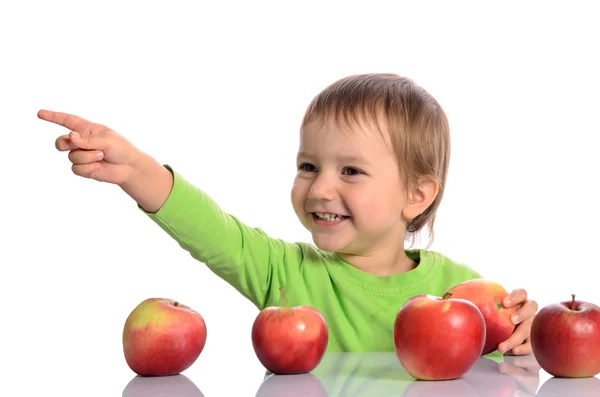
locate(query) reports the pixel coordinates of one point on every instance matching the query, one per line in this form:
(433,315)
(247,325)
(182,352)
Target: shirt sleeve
(253,263)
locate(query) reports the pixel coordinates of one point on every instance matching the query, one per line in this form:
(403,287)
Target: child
(372,164)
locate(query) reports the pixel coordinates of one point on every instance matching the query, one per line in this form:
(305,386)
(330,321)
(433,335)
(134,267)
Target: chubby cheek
(374,211)
(370,209)
(298,196)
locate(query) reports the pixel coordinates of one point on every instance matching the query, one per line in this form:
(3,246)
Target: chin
(330,244)
(325,245)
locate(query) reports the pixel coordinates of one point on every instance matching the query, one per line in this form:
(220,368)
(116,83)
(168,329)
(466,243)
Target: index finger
(69,121)
(515,297)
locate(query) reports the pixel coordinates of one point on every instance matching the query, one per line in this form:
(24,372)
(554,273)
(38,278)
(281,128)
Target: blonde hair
(417,125)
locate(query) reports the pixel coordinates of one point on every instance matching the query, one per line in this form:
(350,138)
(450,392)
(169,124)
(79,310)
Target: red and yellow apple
(162,337)
(438,338)
(565,339)
(488,296)
(289,340)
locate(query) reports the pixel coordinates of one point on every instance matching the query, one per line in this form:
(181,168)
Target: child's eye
(352,171)
(307,167)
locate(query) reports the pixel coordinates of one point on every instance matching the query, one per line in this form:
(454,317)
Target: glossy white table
(381,375)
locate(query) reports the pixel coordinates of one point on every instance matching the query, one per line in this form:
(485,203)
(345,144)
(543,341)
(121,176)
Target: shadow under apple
(160,386)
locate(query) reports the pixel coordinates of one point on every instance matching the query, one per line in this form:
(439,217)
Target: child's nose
(323,188)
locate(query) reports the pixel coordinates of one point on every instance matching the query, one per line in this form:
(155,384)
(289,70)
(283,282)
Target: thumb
(89,141)
(78,141)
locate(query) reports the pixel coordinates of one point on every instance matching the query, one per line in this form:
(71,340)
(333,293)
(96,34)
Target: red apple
(488,296)
(289,340)
(162,337)
(565,339)
(438,338)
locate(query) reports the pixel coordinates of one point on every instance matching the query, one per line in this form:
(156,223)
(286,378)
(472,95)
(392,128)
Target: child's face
(352,173)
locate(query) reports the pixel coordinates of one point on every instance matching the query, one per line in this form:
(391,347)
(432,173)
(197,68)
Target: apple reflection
(160,386)
(381,374)
(572,387)
(299,385)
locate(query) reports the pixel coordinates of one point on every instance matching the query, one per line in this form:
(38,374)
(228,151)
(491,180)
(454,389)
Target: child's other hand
(96,151)
(518,343)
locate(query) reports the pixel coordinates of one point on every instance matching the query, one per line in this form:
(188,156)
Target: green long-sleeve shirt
(359,308)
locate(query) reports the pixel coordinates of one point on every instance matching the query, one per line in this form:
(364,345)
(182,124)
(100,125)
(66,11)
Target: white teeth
(327,216)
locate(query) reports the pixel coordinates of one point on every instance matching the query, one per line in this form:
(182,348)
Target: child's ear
(420,196)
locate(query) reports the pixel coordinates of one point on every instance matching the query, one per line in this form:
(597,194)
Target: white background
(218,92)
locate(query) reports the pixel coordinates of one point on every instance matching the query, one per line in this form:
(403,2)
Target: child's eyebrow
(306,155)
(354,159)
(344,158)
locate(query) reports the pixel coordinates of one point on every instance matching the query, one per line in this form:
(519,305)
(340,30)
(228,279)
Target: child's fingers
(522,349)
(102,171)
(526,311)
(99,137)
(79,156)
(84,133)
(517,348)
(514,298)
(88,170)
(517,341)
(63,143)
(69,121)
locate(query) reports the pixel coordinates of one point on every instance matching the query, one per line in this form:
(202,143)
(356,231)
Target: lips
(328,220)
(323,214)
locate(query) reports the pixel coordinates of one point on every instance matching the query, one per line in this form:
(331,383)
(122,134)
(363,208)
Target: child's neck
(380,263)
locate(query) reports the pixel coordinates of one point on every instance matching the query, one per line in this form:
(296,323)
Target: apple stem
(573,302)
(447,295)
(175,304)
(283,296)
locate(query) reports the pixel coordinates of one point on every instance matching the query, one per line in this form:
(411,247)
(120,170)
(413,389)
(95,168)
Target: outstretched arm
(97,152)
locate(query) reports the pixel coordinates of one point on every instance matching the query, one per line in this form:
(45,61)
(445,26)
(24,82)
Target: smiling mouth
(328,217)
